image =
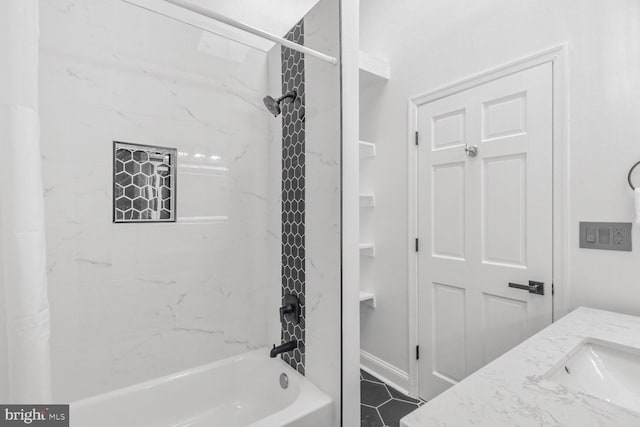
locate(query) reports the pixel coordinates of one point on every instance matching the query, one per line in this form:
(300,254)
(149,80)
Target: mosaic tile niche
(293,193)
(144,183)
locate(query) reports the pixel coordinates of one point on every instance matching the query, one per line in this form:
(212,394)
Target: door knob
(533,287)
(471,150)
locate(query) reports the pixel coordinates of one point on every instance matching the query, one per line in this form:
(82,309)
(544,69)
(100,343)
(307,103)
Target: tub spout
(283,348)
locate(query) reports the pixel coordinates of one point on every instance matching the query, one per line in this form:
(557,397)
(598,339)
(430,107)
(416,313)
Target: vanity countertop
(511,390)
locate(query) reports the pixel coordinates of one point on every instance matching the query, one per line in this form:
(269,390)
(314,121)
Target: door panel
(448,129)
(504,321)
(448,211)
(449,342)
(487,221)
(504,191)
(504,117)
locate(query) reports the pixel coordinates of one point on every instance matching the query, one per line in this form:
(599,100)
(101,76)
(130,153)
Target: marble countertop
(511,390)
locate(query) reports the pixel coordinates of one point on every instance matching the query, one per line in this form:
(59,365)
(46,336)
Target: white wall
(430,44)
(132,302)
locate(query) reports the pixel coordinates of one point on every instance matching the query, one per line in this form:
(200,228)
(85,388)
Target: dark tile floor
(382,405)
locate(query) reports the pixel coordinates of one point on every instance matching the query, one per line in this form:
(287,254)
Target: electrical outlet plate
(610,236)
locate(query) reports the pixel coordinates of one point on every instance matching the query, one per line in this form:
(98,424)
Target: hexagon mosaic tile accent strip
(382,405)
(293,193)
(143,183)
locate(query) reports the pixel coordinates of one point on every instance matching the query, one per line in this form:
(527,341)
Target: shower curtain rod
(240,25)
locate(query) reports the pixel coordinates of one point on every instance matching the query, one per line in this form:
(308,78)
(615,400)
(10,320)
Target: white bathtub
(240,391)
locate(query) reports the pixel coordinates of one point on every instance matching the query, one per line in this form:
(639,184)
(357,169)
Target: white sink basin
(602,369)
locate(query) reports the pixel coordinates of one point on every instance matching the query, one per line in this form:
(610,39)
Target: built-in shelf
(368,298)
(367,149)
(367,200)
(367,249)
(373,69)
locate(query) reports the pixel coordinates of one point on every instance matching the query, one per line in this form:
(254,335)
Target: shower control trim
(290,309)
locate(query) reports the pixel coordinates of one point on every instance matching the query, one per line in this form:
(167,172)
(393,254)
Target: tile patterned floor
(382,405)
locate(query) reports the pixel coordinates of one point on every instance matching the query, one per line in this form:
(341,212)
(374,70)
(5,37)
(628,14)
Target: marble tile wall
(130,302)
(293,193)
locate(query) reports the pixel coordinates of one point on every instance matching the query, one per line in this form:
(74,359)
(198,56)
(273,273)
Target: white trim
(349,30)
(548,55)
(558,57)
(561,178)
(412,226)
(389,374)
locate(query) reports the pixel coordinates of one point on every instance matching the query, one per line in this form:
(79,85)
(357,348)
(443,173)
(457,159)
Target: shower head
(273,105)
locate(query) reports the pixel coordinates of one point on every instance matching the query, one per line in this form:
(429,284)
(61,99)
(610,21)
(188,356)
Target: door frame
(557,56)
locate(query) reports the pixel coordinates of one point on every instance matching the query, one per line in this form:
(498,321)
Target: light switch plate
(610,236)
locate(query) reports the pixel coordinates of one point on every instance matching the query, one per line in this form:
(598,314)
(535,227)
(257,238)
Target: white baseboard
(396,378)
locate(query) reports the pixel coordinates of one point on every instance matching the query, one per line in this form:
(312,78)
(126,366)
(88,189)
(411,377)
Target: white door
(485,221)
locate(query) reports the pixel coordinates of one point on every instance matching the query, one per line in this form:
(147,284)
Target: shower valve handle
(290,309)
(285,309)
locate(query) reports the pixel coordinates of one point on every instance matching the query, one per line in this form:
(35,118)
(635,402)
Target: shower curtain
(24,309)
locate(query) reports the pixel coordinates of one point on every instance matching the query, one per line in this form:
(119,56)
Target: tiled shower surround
(134,302)
(293,193)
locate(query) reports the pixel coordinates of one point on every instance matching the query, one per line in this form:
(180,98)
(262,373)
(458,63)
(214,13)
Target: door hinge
(417,352)
(417,137)
(553,289)
(417,245)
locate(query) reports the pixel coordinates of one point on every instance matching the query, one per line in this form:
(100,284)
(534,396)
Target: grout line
(380,415)
(385,402)
(407,402)
(388,389)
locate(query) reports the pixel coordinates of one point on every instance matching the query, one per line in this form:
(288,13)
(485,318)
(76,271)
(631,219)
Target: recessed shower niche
(144,183)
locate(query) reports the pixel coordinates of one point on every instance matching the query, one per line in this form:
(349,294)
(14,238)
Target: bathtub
(243,390)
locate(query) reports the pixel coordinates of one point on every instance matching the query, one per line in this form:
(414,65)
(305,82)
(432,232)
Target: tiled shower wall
(134,302)
(293,193)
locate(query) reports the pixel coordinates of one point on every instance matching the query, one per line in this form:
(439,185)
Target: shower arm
(239,25)
(293,95)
